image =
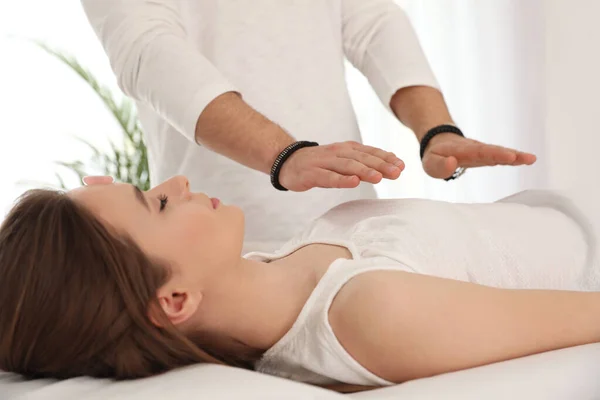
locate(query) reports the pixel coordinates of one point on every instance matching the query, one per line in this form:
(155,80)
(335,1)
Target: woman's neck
(255,302)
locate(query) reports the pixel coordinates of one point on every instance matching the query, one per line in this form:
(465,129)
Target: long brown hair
(75,298)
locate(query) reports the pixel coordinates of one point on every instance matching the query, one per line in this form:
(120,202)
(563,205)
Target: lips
(215,202)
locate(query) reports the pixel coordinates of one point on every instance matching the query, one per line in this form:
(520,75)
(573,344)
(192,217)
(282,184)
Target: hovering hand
(338,165)
(446,152)
(97,180)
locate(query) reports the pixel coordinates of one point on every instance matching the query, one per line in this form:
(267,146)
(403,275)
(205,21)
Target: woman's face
(196,235)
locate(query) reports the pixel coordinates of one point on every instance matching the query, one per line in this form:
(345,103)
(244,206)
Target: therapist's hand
(447,151)
(97,180)
(338,165)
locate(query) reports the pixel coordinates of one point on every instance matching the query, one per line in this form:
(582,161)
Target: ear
(178,305)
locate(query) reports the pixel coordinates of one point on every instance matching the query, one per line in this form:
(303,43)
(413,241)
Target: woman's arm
(404,326)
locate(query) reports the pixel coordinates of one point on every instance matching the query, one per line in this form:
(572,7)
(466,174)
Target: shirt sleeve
(154,61)
(380,41)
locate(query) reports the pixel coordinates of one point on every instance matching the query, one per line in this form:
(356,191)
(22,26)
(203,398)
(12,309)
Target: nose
(180,182)
(183,186)
(177,187)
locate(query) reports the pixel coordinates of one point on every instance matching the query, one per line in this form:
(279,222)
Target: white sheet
(570,374)
(567,374)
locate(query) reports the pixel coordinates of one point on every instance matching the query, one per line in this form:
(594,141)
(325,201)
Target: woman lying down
(109,281)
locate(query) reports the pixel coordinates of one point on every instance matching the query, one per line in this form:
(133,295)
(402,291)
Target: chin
(242,220)
(242,225)
(240,213)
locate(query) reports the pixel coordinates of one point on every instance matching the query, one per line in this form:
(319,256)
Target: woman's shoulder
(367,317)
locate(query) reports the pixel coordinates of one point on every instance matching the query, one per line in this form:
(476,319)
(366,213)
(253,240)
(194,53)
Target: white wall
(523,74)
(573,97)
(43,105)
(488,56)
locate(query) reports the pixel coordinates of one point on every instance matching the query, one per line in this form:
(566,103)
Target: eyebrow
(141,198)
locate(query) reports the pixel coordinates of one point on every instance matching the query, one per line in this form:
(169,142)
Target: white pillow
(567,374)
(203,381)
(562,374)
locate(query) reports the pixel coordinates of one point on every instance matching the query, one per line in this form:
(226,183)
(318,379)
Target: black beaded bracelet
(436,131)
(282,157)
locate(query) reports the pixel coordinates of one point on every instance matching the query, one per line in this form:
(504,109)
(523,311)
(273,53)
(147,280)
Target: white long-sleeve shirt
(286,58)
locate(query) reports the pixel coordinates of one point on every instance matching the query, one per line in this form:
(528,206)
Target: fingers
(324,178)
(525,158)
(505,156)
(373,163)
(386,156)
(445,158)
(97,180)
(497,155)
(368,163)
(475,154)
(349,167)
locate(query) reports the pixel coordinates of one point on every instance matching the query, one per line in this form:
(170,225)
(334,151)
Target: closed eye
(164,199)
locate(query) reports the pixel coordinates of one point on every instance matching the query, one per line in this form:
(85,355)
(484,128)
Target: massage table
(570,374)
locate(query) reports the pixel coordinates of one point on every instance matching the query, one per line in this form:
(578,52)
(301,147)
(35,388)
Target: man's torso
(287,60)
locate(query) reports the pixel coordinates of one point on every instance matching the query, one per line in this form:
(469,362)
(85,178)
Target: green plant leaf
(127,164)
(102,91)
(96,152)
(61,181)
(76,167)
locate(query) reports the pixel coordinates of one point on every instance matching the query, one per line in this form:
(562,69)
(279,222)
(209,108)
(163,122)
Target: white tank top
(534,239)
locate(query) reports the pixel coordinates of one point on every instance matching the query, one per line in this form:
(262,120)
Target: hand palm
(446,152)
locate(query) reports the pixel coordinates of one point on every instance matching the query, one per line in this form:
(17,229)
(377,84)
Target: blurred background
(517,73)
